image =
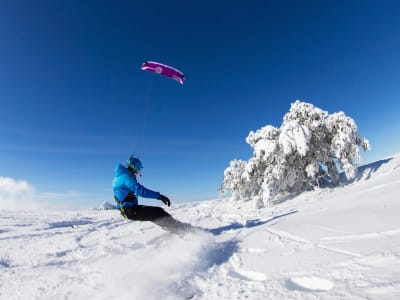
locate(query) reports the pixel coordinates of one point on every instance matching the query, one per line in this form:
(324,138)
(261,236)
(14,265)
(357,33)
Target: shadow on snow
(248,224)
(365,172)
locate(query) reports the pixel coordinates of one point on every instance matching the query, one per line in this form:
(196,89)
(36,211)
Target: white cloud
(15,193)
(21,195)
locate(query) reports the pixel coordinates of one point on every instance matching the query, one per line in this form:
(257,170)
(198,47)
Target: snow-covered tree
(309,145)
(106,205)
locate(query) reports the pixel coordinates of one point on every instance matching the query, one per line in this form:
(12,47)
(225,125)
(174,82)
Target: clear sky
(74,102)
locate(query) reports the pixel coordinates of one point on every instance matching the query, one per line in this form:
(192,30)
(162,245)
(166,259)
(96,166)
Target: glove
(165,200)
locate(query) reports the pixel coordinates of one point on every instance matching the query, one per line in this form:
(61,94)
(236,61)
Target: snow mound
(310,283)
(107,206)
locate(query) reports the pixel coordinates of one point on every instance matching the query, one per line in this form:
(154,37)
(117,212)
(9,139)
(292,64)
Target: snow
(341,243)
(295,137)
(309,147)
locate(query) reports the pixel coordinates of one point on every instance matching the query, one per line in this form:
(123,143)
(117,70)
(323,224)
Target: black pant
(158,216)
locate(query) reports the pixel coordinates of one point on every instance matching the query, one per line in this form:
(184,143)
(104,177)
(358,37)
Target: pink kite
(165,70)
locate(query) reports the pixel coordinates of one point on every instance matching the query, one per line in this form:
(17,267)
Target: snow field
(341,243)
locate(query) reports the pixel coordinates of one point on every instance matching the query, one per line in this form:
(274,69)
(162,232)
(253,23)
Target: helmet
(134,163)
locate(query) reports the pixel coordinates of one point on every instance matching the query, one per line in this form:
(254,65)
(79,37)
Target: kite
(165,70)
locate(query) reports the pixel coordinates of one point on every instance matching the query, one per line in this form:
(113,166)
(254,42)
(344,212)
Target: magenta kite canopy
(165,70)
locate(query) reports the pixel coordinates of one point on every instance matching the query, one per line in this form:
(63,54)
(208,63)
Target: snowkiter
(126,193)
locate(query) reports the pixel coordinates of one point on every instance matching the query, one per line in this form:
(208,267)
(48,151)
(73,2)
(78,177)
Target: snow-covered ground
(341,243)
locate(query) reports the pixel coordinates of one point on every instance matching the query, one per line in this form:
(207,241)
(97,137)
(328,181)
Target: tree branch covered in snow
(309,145)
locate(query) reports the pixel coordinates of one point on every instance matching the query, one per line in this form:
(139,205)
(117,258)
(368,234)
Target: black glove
(165,200)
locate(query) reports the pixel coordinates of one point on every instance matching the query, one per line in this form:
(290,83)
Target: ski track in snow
(328,244)
(309,243)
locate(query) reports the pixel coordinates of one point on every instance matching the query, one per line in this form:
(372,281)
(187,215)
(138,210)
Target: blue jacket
(125,182)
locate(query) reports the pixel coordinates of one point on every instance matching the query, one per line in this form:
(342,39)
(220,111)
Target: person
(126,192)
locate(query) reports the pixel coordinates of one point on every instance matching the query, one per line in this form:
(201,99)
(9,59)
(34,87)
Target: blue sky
(74,102)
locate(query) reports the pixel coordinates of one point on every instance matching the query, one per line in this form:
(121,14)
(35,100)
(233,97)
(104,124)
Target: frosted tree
(309,145)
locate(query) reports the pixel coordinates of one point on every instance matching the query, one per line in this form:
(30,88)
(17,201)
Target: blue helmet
(134,163)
